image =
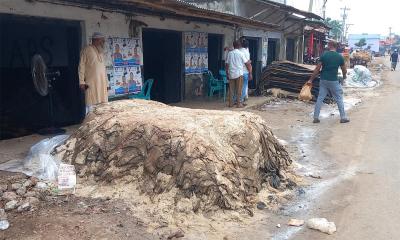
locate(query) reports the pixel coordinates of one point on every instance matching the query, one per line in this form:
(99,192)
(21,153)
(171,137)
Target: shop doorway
(272,50)
(290,49)
(215,61)
(22,110)
(162,60)
(254,44)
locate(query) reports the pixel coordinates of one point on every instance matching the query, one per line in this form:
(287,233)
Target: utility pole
(311,6)
(347,28)
(324,9)
(344,15)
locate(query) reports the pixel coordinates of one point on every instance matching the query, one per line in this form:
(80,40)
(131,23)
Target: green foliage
(361,43)
(336,28)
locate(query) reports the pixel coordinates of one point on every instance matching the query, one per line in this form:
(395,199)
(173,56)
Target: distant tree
(336,28)
(361,43)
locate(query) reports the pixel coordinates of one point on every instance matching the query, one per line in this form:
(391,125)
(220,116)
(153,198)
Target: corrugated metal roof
(210,11)
(172,8)
(291,9)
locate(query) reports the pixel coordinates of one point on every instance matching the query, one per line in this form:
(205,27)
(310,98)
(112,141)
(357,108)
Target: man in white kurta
(92,72)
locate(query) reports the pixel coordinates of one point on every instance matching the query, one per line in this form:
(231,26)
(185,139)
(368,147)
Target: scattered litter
(360,77)
(315,176)
(301,191)
(24,207)
(278,226)
(41,185)
(10,205)
(261,205)
(322,224)
(3,214)
(66,178)
(296,222)
(39,162)
(177,234)
(4,224)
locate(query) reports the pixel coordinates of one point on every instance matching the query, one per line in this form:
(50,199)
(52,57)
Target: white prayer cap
(97,35)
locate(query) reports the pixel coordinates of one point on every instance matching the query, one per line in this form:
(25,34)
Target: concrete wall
(112,24)
(182,26)
(92,21)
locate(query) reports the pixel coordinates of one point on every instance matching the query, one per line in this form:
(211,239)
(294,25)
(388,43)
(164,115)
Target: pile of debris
(287,76)
(213,159)
(20,193)
(360,77)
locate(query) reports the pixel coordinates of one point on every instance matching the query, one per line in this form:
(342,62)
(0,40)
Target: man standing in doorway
(235,63)
(246,74)
(92,73)
(394,59)
(330,63)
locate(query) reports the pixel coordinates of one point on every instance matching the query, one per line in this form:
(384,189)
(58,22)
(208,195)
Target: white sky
(368,16)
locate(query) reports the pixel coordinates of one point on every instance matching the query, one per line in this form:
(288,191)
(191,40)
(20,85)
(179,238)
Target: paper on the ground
(66,176)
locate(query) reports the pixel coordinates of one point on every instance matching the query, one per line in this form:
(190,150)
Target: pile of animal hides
(287,76)
(361,55)
(221,158)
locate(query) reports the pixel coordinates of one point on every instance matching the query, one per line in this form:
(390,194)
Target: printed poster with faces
(196,52)
(127,80)
(123,59)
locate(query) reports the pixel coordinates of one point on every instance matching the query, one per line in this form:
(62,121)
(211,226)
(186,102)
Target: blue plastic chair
(224,78)
(214,84)
(146,91)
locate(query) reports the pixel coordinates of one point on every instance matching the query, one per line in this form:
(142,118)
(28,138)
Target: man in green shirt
(330,63)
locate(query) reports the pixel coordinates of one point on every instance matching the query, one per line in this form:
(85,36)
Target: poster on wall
(127,80)
(264,52)
(196,52)
(123,59)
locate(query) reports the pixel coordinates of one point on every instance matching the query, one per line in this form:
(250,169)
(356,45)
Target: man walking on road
(394,58)
(330,63)
(235,63)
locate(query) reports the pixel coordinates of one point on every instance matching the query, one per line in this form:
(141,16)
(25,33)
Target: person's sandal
(345,120)
(316,120)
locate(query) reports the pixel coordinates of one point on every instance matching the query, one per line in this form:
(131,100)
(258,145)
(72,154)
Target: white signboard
(66,177)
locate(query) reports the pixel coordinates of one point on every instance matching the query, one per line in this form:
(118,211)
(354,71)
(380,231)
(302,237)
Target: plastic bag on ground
(322,224)
(305,93)
(360,77)
(39,162)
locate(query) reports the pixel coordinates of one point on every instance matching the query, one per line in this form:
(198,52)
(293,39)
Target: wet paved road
(367,205)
